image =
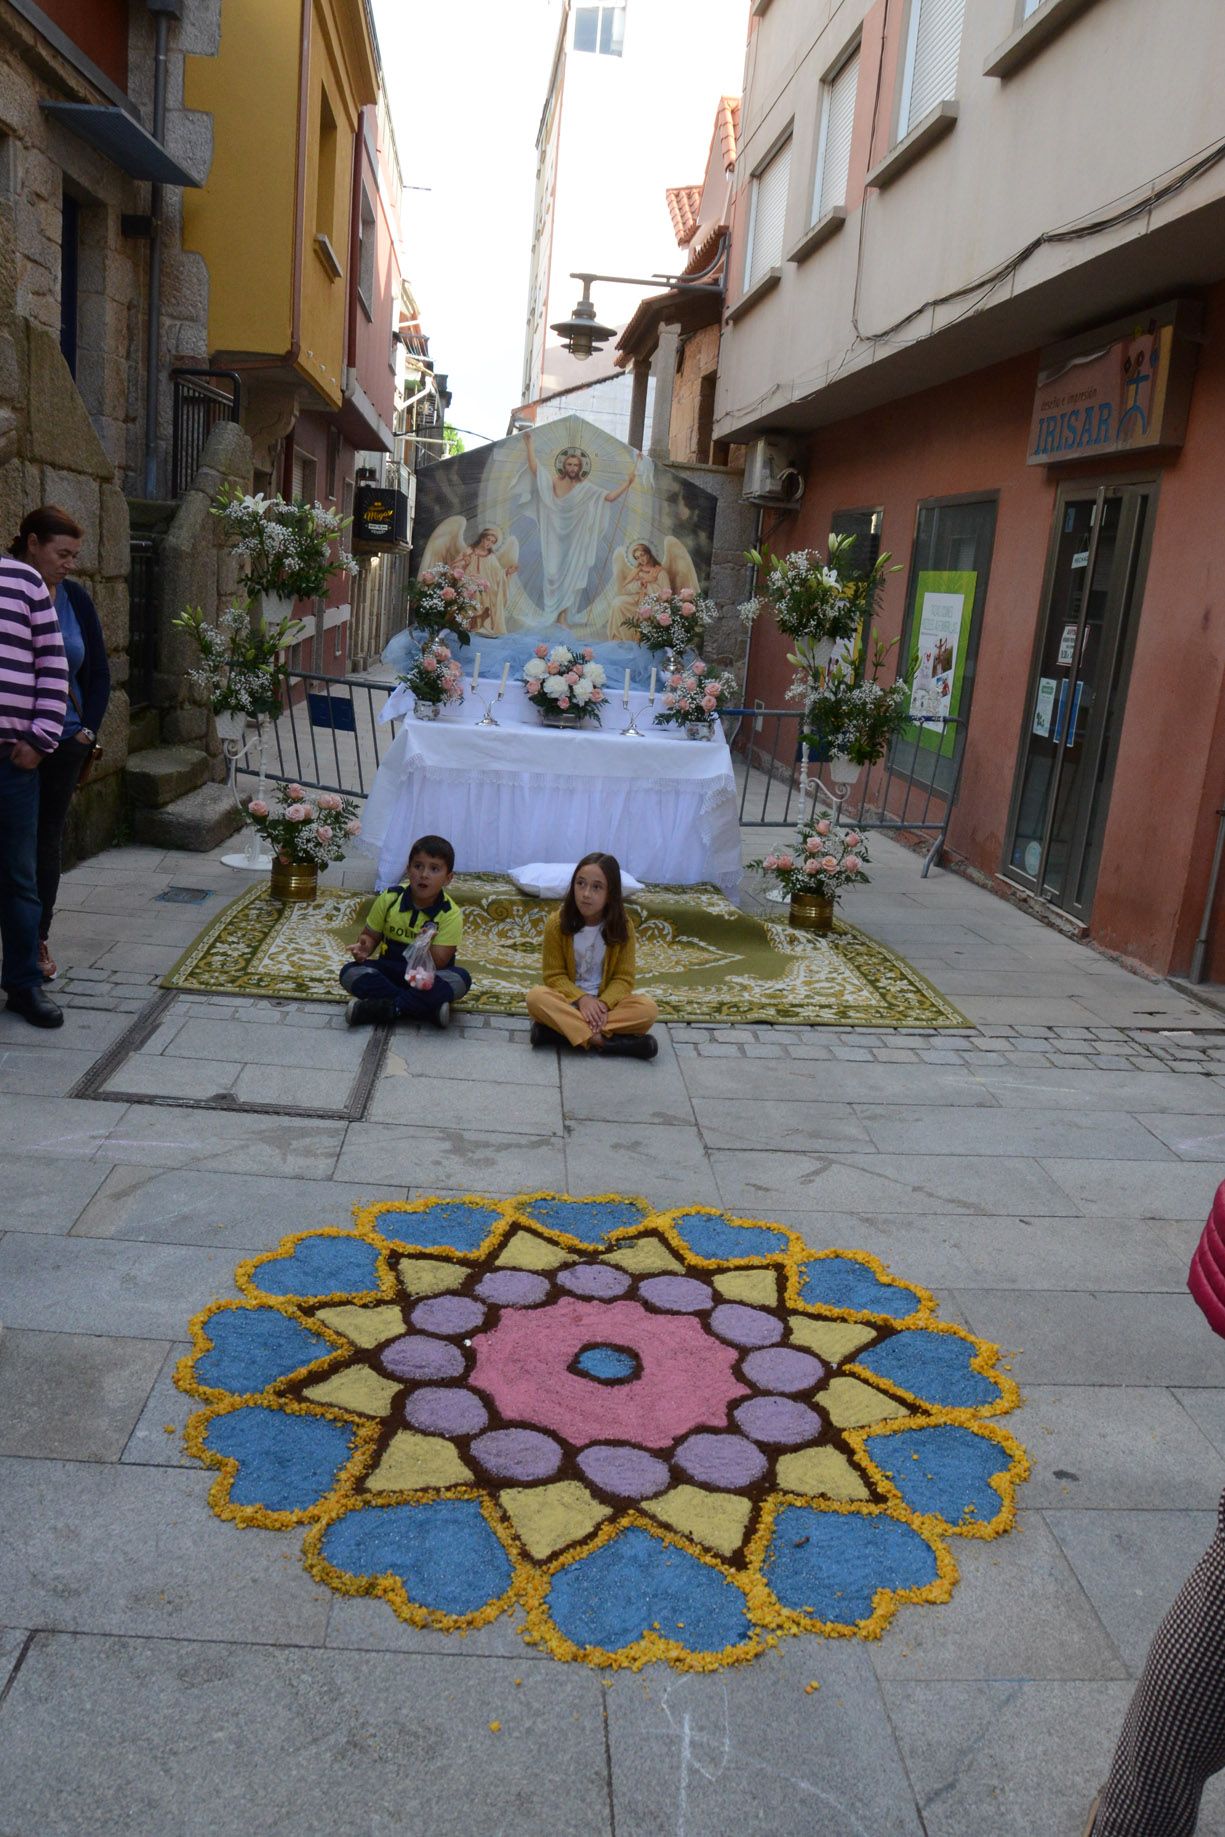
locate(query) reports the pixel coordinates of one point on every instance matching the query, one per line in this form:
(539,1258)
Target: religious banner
(564,530)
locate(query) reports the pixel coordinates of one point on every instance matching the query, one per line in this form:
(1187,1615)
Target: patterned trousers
(1173,1740)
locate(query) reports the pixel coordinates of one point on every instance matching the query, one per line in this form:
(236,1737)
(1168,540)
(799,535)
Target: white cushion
(551,879)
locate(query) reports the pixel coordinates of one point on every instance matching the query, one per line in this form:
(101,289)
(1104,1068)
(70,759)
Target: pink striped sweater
(33,668)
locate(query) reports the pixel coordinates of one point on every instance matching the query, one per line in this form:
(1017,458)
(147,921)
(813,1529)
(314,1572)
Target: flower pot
(699,730)
(293,880)
(812,911)
(230,724)
(426,711)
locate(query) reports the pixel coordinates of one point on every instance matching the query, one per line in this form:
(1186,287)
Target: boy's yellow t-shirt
(398,921)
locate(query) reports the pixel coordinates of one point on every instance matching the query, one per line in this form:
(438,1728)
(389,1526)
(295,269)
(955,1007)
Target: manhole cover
(184,896)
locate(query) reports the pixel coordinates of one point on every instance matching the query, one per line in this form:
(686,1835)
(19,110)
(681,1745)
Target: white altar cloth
(665,806)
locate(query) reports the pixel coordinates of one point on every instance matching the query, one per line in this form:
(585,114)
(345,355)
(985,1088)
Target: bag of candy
(418,963)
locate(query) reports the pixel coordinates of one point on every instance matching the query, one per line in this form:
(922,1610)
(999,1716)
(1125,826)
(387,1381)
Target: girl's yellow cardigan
(617,979)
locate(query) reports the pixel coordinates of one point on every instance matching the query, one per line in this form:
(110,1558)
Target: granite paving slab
(888,1183)
(157,1437)
(1098,1338)
(811,1126)
(44,1195)
(1111,1445)
(1079,1134)
(436,1155)
(533,1109)
(1131,1565)
(91,1286)
(209,1739)
(68,1396)
(664,1162)
(217,1142)
(1206,1409)
(1138,1189)
(245,1212)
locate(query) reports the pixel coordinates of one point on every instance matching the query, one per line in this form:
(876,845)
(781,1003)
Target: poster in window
(944,608)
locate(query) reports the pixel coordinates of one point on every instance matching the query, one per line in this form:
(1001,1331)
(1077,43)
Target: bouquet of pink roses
(693,697)
(444,599)
(823,859)
(672,621)
(435,678)
(562,681)
(306,829)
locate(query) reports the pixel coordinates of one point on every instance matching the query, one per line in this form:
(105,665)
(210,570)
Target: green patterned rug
(699,957)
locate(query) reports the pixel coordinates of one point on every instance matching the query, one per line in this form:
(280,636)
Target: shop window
(600,29)
(945,596)
(834,136)
(933,46)
(767,216)
(365,254)
(865,527)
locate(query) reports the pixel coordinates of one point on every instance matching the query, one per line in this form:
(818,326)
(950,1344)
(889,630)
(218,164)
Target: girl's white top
(589,958)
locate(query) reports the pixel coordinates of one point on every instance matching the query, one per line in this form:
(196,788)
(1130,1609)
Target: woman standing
(49,540)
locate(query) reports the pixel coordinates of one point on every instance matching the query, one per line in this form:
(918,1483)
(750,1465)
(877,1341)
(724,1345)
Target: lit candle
(651,695)
(505,674)
(476,668)
(625,699)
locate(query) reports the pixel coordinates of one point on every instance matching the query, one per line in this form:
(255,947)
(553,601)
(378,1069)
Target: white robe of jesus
(570,530)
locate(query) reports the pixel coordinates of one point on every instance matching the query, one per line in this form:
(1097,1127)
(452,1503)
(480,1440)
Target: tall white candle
(476,668)
(625,699)
(651,696)
(505,674)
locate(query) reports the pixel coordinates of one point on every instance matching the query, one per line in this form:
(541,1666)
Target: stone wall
(735,531)
(699,357)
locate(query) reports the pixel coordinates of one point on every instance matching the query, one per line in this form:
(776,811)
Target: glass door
(1077,697)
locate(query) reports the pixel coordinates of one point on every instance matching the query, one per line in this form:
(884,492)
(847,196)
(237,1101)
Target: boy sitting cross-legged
(394,923)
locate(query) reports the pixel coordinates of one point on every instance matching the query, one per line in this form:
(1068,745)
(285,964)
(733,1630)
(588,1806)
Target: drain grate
(183,896)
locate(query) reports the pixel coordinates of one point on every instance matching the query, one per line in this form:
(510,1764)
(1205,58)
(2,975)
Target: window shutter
(769,212)
(836,138)
(935,46)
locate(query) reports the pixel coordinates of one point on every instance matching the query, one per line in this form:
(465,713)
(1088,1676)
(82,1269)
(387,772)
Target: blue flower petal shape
(252,1346)
(932,1366)
(943,1469)
(590,1220)
(286,1462)
(612,1597)
(444,1552)
(708,1235)
(842,1282)
(830,1564)
(321,1266)
(445,1225)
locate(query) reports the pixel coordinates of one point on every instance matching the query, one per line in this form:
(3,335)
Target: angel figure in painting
(489,564)
(637,573)
(570,511)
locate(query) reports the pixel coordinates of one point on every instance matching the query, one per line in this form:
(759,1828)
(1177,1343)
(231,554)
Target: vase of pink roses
(693,698)
(823,859)
(306,831)
(435,680)
(673,622)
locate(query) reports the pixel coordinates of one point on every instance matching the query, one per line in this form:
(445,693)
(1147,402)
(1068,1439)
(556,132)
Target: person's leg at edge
(20,906)
(1173,1739)
(368,983)
(57,776)
(553,1011)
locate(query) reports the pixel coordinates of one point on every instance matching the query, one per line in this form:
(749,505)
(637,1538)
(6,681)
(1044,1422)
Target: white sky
(467,81)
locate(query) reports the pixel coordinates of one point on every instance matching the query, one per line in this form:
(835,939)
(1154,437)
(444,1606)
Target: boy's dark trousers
(370,982)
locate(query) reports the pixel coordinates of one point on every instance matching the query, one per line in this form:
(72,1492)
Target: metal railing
(897,795)
(142,619)
(202,398)
(328,735)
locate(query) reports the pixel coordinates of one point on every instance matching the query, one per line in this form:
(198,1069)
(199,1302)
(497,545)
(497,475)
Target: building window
(70,263)
(365,254)
(305,472)
(325,186)
(933,44)
(767,213)
(333,464)
(1028,7)
(834,136)
(600,29)
(706,417)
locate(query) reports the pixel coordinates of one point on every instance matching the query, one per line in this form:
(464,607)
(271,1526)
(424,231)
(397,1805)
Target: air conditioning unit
(771,475)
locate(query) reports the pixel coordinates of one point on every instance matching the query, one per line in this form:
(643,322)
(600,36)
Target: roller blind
(769,211)
(837,120)
(932,53)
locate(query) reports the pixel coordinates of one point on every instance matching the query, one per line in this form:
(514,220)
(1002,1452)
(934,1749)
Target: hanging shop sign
(1125,388)
(380,517)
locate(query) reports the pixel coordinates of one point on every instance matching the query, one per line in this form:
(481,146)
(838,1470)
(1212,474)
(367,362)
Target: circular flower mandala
(659,1434)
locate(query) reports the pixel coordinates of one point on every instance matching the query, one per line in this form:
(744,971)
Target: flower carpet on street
(699,958)
(674,1435)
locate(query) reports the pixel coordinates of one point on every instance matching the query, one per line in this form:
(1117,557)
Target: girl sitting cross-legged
(588,998)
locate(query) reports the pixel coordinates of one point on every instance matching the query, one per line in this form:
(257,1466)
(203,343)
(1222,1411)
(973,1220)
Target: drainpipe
(153,350)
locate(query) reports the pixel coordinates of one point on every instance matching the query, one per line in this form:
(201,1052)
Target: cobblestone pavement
(1046,1171)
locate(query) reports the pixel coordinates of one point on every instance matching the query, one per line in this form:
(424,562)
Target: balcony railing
(202,398)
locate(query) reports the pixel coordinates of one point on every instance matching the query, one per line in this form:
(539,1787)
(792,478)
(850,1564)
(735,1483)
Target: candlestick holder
(632,731)
(488,719)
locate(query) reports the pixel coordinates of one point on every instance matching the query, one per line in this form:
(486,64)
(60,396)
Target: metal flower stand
(235,745)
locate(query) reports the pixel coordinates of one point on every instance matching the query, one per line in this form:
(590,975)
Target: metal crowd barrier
(768,751)
(328,735)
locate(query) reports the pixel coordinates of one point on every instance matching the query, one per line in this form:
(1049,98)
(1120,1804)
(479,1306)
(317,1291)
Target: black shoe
(442,1016)
(541,1035)
(631,1045)
(371,1011)
(35,1007)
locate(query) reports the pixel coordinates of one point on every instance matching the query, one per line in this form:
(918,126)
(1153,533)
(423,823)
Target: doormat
(644,1435)
(699,957)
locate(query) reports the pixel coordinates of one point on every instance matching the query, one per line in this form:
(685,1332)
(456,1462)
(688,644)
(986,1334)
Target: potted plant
(566,687)
(444,600)
(673,622)
(290,549)
(693,698)
(305,832)
(854,717)
(812,601)
(241,669)
(434,680)
(823,859)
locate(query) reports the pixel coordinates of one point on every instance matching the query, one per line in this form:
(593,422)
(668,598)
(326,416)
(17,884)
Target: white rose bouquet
(565,685)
